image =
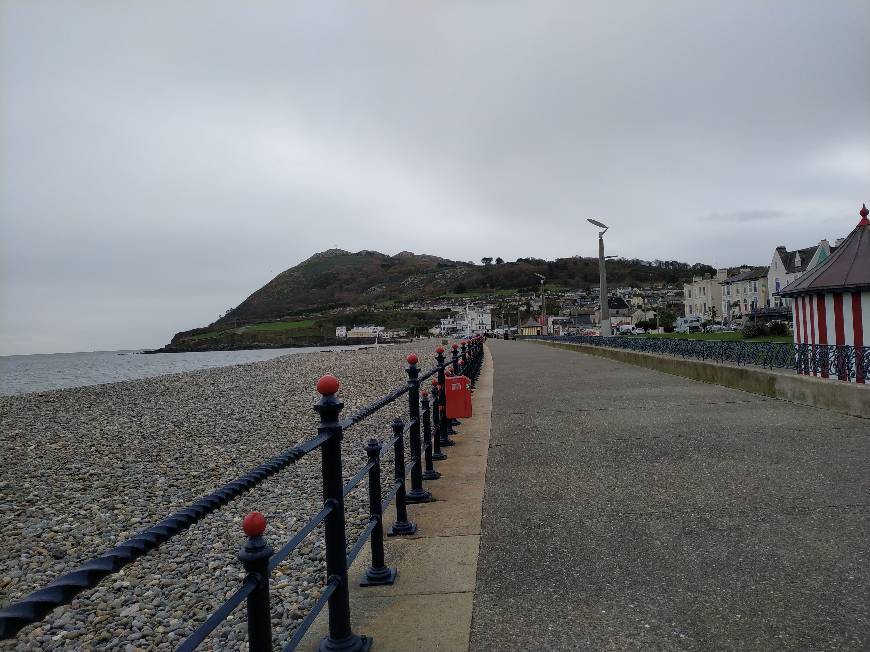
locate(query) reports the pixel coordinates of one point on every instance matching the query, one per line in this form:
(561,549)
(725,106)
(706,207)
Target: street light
(602,271)
(543,304)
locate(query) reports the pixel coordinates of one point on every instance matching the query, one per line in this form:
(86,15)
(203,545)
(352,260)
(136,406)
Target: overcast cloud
(161,160)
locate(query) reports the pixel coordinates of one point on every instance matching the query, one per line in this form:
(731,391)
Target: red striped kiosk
(831,307)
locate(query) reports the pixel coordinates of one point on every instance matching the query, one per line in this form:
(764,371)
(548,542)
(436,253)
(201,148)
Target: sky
(160,161)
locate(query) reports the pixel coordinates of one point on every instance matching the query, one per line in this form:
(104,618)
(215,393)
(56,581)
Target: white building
(365,331)
(787,266)
(341,331)
(478,320)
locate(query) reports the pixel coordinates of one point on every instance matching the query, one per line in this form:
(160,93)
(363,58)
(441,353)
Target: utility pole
(602,271)
(543,305)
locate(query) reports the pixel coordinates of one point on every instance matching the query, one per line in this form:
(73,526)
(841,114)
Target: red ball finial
(864,213)
(254,524)
(412,358)
(424,394)
(439,349)
(328,385)
(455,346)
(434,382)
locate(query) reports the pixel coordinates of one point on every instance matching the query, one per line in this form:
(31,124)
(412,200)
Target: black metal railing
(849,363)
(427,430)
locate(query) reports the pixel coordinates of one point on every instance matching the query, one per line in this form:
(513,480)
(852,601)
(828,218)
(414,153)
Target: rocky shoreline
(86,468)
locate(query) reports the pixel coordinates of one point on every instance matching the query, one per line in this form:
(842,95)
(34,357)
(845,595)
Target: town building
(787,266)
(703,296)
(341,331)
(617,307)
(744,292)
(831,306)
(365,331)
(531,327)
(478,320)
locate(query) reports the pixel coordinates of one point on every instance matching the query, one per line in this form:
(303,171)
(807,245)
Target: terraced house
(703,296)
(744,292)
(787,266)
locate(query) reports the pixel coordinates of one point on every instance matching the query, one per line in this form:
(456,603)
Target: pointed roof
(748,275)
(847,268)
(789,258)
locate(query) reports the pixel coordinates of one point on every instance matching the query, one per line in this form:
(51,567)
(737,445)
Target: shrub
(751,330)
(779,328)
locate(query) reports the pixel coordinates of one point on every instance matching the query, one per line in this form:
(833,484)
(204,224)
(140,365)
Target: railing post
(437,453)
(341,636)
(402,526)
(417,493)
(443,422)
(455,353)
(466,350)
(378,573)
(255,556)
(429,472)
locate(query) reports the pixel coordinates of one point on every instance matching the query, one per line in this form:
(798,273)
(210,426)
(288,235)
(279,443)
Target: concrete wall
(848,398)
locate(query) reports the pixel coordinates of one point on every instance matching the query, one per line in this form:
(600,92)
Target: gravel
(85,468)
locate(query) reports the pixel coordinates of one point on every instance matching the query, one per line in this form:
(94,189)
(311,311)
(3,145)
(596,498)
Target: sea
(21,374)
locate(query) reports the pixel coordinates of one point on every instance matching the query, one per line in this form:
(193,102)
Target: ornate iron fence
(849,363)
(427,430)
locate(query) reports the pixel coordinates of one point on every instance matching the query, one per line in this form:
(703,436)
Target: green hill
(280,313)
(338,278)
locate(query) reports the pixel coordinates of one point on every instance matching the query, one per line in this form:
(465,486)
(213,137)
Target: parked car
(625,329)
(688,325)
(638,331)
(715,328)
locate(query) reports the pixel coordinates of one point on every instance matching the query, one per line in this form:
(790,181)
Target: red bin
(458,392)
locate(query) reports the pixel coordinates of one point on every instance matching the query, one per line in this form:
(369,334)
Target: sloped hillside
(337,278)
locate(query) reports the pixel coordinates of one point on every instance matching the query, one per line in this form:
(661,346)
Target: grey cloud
(758,215)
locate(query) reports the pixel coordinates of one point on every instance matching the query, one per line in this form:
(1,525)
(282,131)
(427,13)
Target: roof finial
(864,213)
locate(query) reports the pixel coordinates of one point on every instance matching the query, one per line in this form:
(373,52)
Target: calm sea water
(21,374)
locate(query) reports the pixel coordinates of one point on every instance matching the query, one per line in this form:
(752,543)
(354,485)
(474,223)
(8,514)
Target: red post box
(458,392)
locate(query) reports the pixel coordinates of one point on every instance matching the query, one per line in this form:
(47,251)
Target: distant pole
(602,271)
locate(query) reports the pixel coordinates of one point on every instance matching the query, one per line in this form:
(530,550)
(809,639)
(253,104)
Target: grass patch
(279,326)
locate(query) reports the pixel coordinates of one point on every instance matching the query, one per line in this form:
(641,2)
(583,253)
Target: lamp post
(543,305)
(602,271)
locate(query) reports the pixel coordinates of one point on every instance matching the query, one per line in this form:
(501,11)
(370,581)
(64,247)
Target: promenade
(630,509)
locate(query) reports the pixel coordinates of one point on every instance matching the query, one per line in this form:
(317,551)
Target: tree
(667,320)
(499,261)
(460,288)
(486,260)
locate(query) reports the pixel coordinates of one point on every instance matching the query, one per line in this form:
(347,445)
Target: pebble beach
(83,469)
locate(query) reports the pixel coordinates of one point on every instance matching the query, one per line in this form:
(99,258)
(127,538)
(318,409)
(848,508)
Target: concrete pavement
(630,509)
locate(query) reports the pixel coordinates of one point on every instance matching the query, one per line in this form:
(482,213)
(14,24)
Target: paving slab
(430,605)
(631,509)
